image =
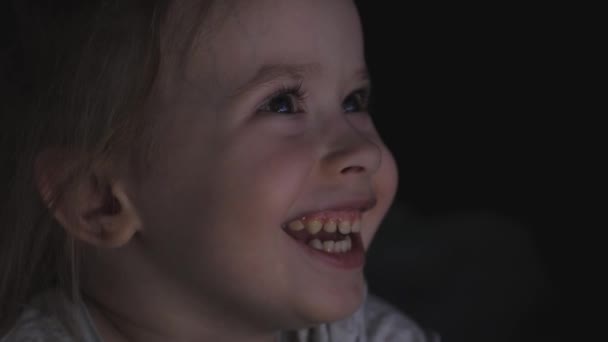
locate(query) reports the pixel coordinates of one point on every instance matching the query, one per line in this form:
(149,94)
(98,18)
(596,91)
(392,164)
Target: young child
(191,171)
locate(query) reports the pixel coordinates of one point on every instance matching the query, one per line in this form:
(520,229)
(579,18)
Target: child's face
(235,167)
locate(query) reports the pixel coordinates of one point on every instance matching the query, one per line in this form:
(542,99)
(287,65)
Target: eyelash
(362,95)
(298,96)
(295,92)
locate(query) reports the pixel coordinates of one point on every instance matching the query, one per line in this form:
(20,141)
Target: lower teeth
(332,246)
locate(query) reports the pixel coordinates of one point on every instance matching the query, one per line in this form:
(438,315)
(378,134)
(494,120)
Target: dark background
(480,105)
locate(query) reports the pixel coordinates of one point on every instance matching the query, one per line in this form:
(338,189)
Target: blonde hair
(75,75)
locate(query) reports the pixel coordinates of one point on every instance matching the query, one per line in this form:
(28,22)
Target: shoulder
(383,322)
(35,326)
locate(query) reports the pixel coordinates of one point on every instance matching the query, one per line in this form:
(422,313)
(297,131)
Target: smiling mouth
(331,232)
(334,236)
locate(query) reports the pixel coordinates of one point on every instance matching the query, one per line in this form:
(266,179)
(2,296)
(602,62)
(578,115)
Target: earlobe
(92,208)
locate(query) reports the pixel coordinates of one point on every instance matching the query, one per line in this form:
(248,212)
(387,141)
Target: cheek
(247,189)
(270,183)
(385,186)
(388,176)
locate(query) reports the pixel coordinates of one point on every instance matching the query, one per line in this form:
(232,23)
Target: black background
(481,106)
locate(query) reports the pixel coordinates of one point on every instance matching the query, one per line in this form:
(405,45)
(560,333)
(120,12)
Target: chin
(330,306)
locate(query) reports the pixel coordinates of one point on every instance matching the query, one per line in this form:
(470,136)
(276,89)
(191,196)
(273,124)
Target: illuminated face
(272,179)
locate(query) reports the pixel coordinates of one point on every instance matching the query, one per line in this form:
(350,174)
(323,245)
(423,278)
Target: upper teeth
(296,225)
(330,226)
(314,226)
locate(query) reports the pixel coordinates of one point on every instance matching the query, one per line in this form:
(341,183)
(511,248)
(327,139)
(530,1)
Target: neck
(131,303)
(115,327)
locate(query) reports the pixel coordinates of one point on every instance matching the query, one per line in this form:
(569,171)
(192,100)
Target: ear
(93,206)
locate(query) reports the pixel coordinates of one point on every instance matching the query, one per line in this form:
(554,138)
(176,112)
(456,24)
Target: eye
(288,100)
(356,102)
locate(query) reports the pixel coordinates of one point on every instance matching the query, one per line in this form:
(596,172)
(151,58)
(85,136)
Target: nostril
(353,169)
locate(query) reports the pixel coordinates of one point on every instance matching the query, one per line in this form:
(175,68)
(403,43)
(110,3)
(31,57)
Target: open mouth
(333,235)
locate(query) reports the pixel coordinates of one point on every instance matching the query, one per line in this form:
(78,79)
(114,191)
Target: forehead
(242,36)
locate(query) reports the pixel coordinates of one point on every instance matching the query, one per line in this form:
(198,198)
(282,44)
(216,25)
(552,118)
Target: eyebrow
(268,73)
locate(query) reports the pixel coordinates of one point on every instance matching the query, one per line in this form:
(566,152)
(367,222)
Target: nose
(349,150)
